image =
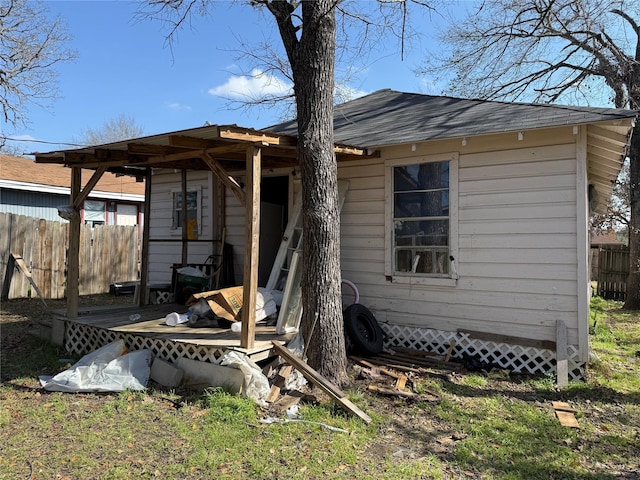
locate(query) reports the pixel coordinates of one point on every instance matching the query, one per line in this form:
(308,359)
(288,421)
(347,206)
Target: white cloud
(256,85)
(22,138)
(177,106)
(344,93)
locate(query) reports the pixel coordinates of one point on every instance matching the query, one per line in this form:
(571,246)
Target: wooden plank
(252,247)
(562,406)
(390,391)
(82,196)
(8,276)
(498,338)
(278,383)
(567,419)
(365,363)
(416,361)
(289,400)
(20,265)
(73,265)
(226,179)
(401,382)
(143,299)
(562,362)
(452,344)
(314,377)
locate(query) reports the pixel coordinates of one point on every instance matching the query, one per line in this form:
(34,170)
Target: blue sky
(125,67)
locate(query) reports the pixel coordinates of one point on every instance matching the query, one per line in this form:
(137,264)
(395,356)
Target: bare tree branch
(30,45)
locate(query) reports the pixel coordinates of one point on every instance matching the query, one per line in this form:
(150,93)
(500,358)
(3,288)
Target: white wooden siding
(517,236)
(517,258)
(163,254)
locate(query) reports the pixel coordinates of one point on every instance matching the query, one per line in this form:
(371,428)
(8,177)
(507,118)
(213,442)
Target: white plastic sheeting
(108,369)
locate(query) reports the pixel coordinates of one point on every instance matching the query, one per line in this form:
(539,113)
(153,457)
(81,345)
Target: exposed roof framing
(185,149)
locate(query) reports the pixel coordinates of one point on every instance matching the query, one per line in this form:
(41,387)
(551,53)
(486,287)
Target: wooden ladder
(287,271)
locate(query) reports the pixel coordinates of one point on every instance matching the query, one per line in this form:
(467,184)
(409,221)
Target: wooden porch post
(73,256)
(143,298)
(250,284)
(185,221)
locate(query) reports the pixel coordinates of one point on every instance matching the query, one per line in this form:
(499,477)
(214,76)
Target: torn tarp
(108,369)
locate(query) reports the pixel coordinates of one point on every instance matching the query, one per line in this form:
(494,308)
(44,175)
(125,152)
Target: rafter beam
(82,196)
(230,132)
(184,141)
(224,177)
(146,149)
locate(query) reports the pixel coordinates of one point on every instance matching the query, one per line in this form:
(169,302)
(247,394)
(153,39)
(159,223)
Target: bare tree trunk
(312,58)
(632,301)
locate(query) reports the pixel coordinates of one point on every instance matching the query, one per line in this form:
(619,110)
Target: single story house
(37,190)
(464,225)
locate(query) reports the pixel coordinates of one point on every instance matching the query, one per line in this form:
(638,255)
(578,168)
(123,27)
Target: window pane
(423,176)
(192,207)
(431,261)
(421,233)
(421,204)
(94,211)
(421,218)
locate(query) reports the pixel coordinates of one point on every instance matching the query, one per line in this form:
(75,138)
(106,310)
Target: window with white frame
(422,233)
(194,209)
(95,212)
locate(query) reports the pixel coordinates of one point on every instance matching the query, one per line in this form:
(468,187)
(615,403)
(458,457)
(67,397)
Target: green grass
(483,426)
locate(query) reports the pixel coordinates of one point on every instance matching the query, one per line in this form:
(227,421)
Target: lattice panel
(516,358)
(82,339)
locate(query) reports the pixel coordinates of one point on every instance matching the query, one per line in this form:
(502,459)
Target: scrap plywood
(565,414)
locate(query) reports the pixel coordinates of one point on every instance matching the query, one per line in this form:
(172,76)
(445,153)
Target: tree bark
(632,301)
(312,58)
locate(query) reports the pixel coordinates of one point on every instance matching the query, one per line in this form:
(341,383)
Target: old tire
(363,330)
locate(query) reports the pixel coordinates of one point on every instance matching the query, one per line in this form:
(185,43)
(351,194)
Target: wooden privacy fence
(613,268)
(107,254)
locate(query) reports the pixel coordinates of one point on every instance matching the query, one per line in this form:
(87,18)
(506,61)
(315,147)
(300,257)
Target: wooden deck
(95,327)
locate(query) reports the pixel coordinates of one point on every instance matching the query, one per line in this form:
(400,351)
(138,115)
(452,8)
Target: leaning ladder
(287,271)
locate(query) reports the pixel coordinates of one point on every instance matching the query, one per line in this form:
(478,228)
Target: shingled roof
(23,170)
(389,117)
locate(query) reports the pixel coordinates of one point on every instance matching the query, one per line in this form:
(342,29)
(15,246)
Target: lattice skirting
(517,358)
(82,339)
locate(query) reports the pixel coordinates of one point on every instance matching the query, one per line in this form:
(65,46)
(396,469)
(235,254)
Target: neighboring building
(37,190)
(465,223)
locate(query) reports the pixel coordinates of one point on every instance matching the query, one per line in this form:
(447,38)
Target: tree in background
(118,128)
(31,45)
(308,33)
(550,50)
(618,214)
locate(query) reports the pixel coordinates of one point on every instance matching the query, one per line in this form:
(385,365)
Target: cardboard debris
(225,303)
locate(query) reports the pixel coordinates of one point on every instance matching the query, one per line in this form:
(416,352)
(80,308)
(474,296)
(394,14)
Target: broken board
(16,261)
(314,377)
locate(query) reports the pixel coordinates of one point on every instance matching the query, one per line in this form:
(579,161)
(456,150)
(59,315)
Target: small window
(95,212)
(194,209)
(422,230)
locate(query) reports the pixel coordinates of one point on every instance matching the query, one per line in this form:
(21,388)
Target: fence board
(107,254)
(613,269)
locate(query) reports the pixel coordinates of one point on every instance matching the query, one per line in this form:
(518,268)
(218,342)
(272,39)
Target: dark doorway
(274,211)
